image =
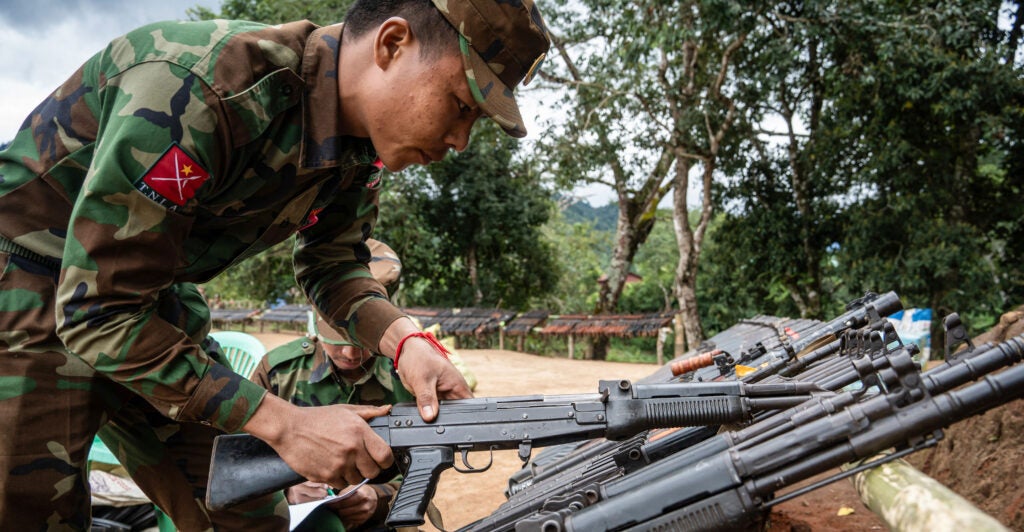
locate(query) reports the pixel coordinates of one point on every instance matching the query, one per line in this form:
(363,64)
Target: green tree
(484,208)
(259,280)
(707,121)
(782,199)
(597,144)
(321,12)
(890,134)
(924,101)
(649,85)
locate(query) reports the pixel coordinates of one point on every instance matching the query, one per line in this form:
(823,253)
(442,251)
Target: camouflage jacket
(180,149)
(300,372)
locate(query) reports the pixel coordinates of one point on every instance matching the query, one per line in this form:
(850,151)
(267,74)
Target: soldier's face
(346,357)
(424,110)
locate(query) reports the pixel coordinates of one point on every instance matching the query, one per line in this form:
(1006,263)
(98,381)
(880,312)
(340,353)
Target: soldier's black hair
(428,24)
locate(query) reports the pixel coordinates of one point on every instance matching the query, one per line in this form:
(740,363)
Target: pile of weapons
(694,446)
(874,398)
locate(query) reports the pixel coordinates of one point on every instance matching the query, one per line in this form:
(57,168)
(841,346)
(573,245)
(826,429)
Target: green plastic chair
(243,350)
(100,453)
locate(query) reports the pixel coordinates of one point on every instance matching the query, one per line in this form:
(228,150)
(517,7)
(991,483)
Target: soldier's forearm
(394,334)
(270,421)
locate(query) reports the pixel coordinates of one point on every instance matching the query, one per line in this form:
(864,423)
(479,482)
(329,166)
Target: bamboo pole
(910,501)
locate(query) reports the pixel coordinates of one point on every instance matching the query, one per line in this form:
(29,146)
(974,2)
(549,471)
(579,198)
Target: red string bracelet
(428,336)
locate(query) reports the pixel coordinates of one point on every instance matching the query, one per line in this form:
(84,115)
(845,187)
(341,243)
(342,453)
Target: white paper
(299,512)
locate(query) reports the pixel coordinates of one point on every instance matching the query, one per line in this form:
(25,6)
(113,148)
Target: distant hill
(603,218)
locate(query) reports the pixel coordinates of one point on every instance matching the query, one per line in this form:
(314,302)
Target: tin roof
(621,325)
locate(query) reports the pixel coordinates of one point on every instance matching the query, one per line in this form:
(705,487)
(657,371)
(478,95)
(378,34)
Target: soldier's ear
(394,39)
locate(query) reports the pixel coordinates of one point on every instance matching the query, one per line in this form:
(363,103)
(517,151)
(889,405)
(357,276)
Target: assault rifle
(243,466)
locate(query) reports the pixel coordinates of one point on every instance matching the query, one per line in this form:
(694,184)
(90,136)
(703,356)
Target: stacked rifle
(875,397)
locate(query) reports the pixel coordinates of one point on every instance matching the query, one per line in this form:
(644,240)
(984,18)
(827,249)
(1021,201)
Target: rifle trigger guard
(471,469)
(526,448)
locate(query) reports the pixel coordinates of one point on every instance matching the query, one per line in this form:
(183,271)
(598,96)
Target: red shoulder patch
(176,176)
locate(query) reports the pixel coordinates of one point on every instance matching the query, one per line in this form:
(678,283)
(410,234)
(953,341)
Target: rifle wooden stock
(244,467)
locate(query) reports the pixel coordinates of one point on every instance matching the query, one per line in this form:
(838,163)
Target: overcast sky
(42,42)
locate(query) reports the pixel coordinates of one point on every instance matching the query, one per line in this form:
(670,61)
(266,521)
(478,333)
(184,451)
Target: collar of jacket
(322,146)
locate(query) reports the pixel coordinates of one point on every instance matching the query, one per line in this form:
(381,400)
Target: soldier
(326,368)
(179,150)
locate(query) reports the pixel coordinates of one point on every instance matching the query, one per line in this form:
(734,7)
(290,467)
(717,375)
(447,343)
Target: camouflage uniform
(301,372)
(179,150)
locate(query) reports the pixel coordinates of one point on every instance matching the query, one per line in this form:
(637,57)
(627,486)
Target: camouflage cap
(503,43)
(385,267)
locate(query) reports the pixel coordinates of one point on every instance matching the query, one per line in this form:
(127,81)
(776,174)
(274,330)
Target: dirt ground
(465,498)
(979,458)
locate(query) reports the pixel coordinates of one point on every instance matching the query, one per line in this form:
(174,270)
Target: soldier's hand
(357,508)
(326,444)
(429,375)
(306,492)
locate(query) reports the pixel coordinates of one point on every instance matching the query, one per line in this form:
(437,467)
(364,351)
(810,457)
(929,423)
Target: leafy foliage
(485,208)
(581,254)
(321,12)
(894,173)
(925,107)
(260,280)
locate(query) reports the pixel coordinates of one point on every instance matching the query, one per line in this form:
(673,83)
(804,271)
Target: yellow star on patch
(186,169)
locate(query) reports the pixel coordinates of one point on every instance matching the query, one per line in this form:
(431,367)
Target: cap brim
(494,97)
(328,335)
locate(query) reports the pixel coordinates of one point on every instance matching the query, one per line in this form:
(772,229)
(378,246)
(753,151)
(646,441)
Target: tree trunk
(635,222)
(1015,34)
(474,276)
(689,242)
(686,151)
(687,297)
(678,336)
